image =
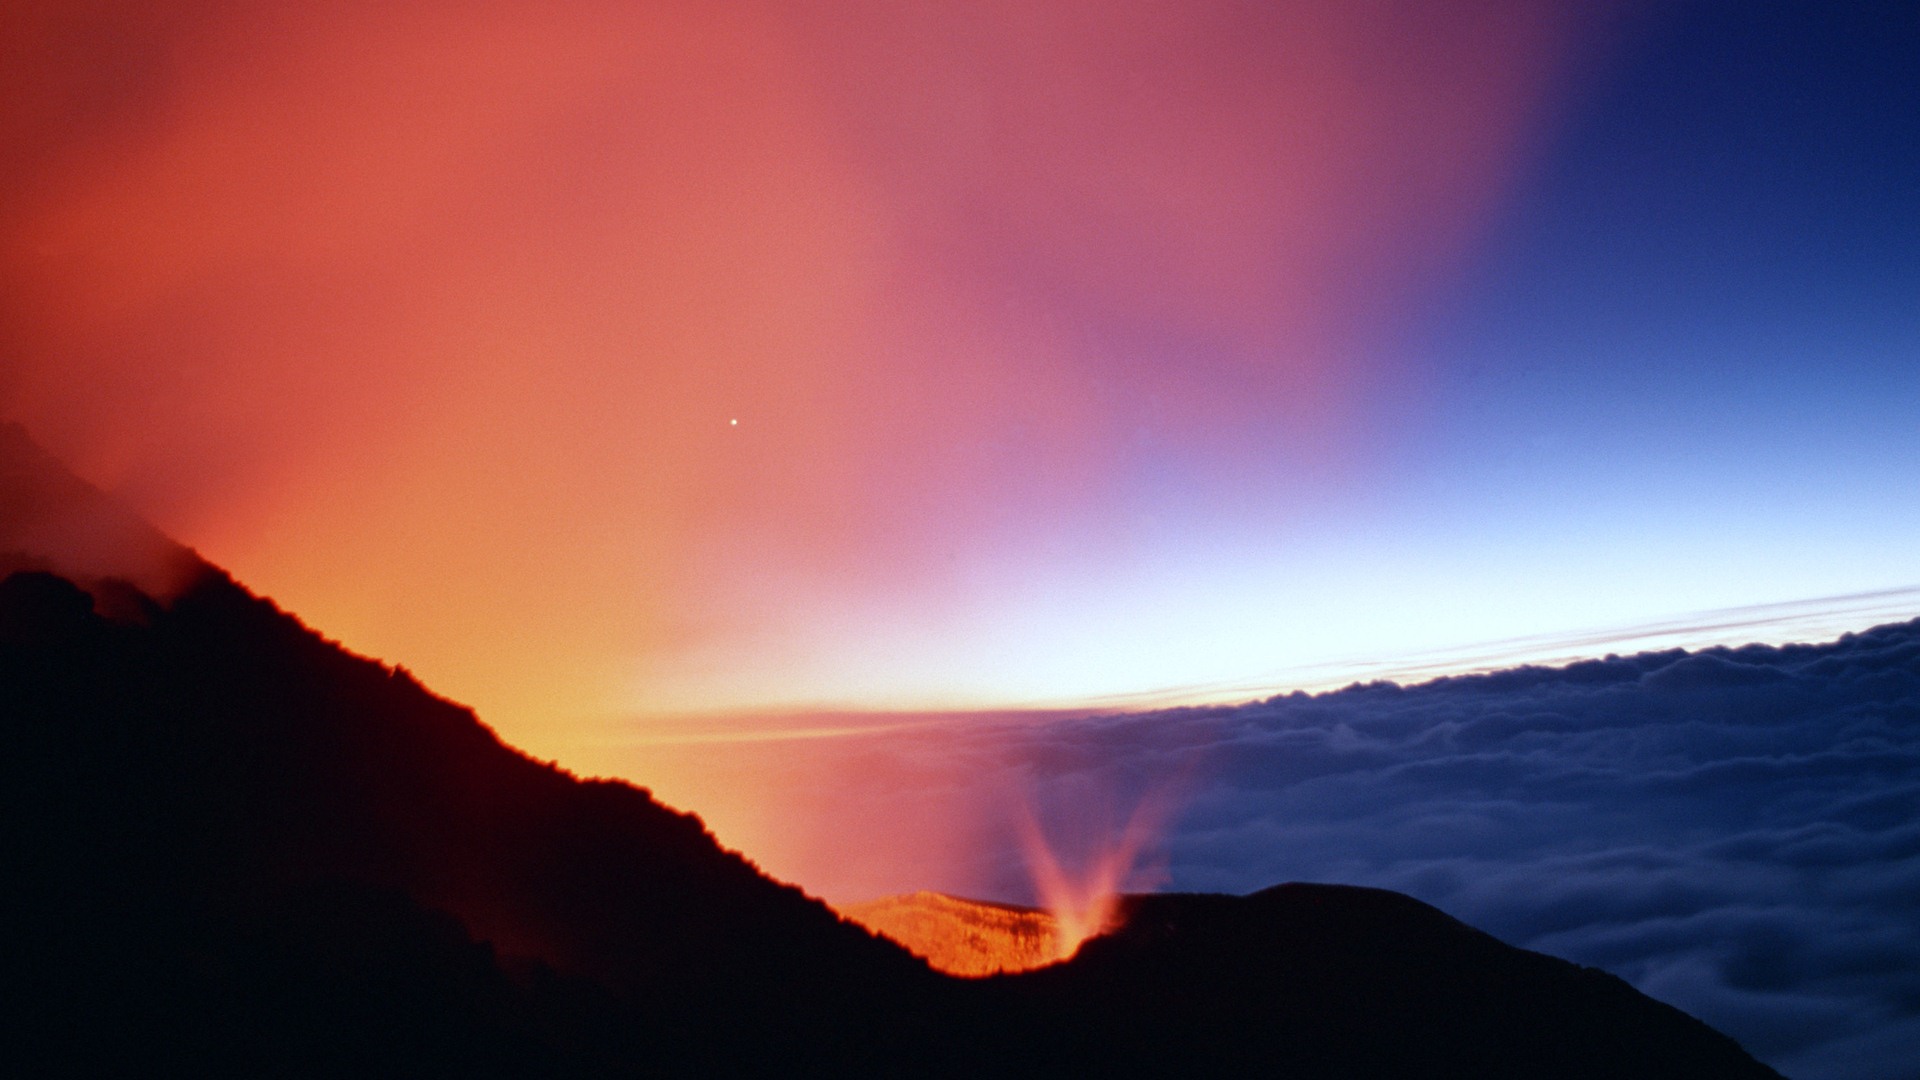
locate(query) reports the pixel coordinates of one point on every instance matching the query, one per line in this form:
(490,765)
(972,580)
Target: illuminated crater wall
(970,938)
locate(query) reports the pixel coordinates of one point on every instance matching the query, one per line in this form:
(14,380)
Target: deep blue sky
(1720,252)
(1685,366)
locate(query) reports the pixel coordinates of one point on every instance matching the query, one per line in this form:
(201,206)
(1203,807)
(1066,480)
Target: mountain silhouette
(235,849)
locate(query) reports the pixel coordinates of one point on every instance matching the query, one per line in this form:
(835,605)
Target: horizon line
(1807,620)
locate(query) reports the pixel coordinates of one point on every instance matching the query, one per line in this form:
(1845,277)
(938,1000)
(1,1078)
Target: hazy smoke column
(433,322)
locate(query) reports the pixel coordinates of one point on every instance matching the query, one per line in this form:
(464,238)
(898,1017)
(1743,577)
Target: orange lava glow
(968,938)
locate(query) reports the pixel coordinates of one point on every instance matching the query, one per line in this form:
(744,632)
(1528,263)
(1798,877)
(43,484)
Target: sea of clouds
(1735,831)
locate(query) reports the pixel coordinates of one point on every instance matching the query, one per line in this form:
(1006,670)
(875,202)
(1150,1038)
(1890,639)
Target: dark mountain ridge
(222,764)
(236,849)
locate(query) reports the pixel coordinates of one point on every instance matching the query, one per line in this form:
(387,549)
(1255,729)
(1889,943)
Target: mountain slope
(222,760)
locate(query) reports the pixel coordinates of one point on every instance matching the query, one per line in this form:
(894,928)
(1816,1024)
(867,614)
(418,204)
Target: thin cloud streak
(1813,619)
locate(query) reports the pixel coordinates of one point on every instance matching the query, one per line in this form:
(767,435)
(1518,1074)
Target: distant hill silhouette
(1348,981)
(235,849)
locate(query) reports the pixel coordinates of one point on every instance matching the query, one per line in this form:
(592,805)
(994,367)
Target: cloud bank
(1732,830)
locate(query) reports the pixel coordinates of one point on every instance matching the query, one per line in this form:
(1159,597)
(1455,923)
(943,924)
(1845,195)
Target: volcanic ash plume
(52,520)
(977,938)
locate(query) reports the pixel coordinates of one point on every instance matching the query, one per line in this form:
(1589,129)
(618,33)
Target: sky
(615,360)
(770,396)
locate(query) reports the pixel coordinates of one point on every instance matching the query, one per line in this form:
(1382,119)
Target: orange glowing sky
(598,360)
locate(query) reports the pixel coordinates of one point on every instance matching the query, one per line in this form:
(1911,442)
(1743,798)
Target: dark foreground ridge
(236,849)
